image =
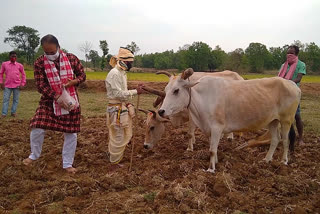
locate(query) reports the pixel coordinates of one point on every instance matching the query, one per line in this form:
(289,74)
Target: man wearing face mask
(294,69)
(119,110)
(15,78)
(57,75)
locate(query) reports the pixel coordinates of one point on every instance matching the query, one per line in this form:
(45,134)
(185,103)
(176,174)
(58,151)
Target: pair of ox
(218,105)
(155,124)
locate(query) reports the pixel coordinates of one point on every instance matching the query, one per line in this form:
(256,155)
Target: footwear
(3,116)
(13,114)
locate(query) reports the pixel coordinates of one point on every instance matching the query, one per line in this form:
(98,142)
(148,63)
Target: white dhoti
(120,133)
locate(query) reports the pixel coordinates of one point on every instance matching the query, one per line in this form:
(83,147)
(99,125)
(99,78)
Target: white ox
(221,106)
(155,125)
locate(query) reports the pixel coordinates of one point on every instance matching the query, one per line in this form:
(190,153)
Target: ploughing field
(166,179)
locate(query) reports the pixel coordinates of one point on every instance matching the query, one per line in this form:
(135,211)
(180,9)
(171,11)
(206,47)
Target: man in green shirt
(294,69)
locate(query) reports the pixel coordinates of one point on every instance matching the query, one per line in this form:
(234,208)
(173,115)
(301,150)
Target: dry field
(167,179)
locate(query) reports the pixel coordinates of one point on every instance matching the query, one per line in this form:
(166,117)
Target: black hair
(296,49)
(51,39)
(12,52)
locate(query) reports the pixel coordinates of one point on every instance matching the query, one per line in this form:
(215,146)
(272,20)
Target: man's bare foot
(27,161)
(71,170)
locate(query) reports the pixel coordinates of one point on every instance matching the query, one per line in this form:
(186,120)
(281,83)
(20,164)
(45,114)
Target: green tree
(257,54)
(105,50)
(219,58)
(133,47)
(198,56)
(312,58)
(94,57)
(25,39)
(234,59)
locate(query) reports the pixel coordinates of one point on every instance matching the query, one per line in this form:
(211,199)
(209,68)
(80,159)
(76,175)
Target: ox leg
(214,141)
(273,128)
(192,128)
(230,136)
(285,128)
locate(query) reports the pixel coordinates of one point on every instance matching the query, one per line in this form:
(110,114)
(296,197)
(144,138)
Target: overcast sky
(162,25)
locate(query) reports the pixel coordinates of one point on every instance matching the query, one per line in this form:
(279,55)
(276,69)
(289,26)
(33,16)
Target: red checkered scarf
(56,81)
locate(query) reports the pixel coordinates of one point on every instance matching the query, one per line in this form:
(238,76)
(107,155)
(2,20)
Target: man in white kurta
(119,110)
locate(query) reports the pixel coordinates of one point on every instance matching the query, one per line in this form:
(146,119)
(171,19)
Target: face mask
(291,58)
(54,56)
(129,65)
(13,59)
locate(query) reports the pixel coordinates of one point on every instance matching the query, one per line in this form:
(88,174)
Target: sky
(157,26)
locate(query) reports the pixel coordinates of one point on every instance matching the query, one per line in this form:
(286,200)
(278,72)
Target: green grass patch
(152,77)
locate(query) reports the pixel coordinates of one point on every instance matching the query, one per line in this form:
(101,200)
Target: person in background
(15,79)
(294,69)
(57,75)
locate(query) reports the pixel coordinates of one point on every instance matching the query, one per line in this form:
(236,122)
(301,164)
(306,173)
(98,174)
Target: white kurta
(119,133)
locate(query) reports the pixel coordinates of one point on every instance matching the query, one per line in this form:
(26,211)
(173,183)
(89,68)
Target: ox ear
(191,84)
(186,73)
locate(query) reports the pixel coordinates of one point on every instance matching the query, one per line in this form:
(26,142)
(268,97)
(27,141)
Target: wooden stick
(135,129)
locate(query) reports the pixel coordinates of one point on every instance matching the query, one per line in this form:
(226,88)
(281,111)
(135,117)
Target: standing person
(119,110)
(57,75)
(15,78)
(294,69)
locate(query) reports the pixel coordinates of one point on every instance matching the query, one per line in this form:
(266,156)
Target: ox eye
(152,128)
(175,92)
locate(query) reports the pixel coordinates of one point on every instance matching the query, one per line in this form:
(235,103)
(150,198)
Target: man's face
(49,48)
(291,51)
(13,57)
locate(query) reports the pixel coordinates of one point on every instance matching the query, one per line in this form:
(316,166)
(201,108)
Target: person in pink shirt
(15,78)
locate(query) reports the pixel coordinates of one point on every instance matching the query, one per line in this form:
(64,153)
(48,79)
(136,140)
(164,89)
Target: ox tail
(292,138)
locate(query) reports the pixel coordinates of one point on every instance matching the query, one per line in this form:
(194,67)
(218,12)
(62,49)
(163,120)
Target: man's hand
(63,104)
(71,83)
(139,89)
(1,85)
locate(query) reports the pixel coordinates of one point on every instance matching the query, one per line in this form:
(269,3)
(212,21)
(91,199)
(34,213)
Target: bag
(68,100)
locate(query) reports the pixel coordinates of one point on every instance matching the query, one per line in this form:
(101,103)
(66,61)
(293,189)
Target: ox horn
(158,101)
(164,72)
(144,111)
(187,73)
(154,91)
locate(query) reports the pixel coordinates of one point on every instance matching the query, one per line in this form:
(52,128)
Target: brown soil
(167,179)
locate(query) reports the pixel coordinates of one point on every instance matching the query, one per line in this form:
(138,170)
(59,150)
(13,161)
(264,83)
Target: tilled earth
(167,179)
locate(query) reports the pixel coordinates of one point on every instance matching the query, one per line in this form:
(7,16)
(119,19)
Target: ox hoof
(230,139)
(285,162)
(267,160)
(210,170)
(190,149)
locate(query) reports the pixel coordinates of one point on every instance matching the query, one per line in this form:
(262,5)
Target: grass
(94,104)
(151,77)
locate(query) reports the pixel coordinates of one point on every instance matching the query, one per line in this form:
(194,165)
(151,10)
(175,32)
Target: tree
(234,59)
(85,48)
(198,56)
(133,47)
(105,50)
(257,54)
(219,58)
(94,57)
(312,52)
(25,39)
